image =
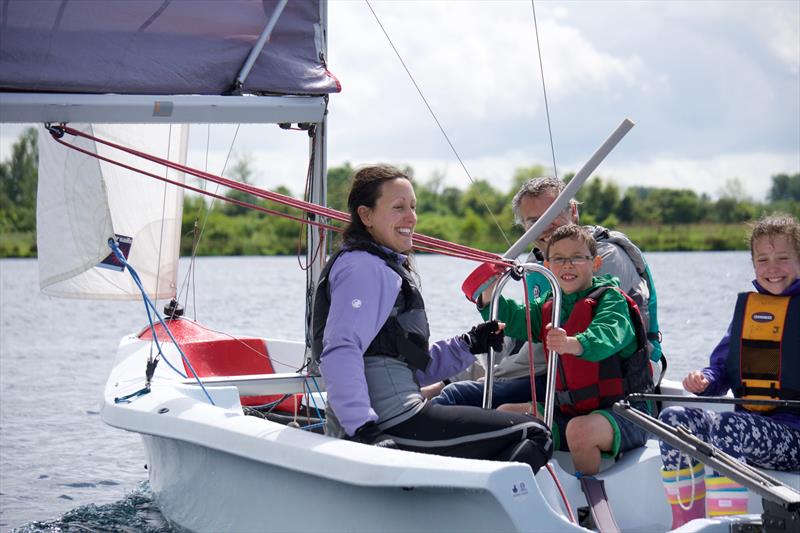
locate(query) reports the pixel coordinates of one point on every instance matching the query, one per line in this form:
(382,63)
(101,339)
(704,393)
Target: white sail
(82,202)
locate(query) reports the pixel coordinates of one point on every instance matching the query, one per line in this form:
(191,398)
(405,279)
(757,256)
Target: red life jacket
(583,386)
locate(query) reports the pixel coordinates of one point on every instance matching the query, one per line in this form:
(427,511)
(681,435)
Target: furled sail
(82,202)
(157,47)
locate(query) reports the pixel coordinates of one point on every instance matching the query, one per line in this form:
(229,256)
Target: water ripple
(136,512)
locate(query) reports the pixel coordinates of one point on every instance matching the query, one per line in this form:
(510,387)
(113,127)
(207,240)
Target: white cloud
(714,88)
(784,38)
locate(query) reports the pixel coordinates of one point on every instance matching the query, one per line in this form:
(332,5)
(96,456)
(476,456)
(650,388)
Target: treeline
(478,216)
(18,197)
(659,218)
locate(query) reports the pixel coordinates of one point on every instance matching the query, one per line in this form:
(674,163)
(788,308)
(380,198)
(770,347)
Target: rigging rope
(198,235)
(544,90)
(425,243)
(150,305)
(161,226)
(436,119)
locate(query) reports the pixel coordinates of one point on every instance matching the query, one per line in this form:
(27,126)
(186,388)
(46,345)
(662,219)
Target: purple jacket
(363,293)
(716,371)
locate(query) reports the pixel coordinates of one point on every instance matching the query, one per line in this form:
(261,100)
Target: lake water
(62,469)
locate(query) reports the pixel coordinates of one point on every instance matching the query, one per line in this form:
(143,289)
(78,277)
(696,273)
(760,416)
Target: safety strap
(595,491)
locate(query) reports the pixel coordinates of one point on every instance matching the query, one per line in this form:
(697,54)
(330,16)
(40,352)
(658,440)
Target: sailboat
(133,76)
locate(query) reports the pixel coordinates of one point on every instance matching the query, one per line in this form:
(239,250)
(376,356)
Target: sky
(712,86)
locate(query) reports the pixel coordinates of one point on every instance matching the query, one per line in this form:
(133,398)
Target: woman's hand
(483,336)
(695,382)
(561,343)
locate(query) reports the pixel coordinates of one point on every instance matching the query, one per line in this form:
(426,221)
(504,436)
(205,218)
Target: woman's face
(391,222)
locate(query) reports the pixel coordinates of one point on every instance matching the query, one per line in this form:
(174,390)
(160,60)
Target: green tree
(242,171)
(729,210)
(428,194)
(625,210)
(450,200)
(523,174)
(599,200)
(785,187)
(677,206)
(481,197)
(339,186)
(18,180)
(733,204)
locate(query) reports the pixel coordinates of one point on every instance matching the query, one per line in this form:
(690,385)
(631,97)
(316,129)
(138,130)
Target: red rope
(534,403)
(426,243)
(533,394)
(197,190)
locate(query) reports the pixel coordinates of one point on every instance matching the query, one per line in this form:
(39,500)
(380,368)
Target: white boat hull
(208,490)
(212,468)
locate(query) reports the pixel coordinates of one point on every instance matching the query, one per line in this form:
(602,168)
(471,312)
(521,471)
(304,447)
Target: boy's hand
(560,342)
(695,382)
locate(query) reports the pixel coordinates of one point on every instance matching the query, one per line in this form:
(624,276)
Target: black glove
(482,336)
(370,434)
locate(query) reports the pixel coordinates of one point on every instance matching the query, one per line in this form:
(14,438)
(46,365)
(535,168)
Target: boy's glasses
(575,260)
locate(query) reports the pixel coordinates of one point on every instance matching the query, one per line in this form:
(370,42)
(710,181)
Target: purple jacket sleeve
(363,292)
(448,358)
(715,372)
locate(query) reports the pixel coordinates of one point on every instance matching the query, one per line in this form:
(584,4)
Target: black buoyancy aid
(764,350)
(405,333)
(583,386)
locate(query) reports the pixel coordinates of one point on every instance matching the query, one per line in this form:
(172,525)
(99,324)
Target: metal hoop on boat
(552,356)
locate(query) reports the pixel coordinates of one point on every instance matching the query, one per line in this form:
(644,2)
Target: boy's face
(776,262)
(576,275)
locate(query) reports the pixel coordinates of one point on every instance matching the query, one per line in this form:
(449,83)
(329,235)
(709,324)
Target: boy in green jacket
(601,347)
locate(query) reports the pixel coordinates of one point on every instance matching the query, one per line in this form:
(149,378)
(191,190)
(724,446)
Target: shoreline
(656,238)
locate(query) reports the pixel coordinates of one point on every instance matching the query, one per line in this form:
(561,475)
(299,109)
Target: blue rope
(127,397)
(149,304)
(313,400)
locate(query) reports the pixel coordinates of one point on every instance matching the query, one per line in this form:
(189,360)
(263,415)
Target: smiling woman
(371,341)
(391,221)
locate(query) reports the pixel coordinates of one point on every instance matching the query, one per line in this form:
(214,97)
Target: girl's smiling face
(776,262)
(393,219)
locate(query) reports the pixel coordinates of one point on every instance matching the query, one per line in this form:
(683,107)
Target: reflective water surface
(62,469)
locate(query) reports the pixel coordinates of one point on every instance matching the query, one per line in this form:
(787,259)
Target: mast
(317,243)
